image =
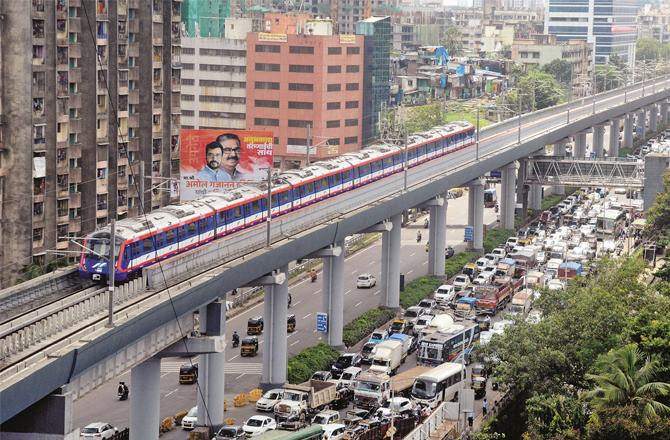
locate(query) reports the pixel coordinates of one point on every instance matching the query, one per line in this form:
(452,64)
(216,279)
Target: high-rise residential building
(610,25)
(213,83)
(90,89)
(655,23)
(346,13)
(205,18)
(378,40)
(306,89)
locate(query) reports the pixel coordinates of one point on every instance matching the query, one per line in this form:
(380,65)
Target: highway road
(243,374)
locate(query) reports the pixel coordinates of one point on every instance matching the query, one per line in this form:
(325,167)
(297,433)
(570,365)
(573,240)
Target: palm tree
(621,381)
(453,41)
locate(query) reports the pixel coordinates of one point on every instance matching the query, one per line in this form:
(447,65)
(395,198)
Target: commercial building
(655,23)
(543,49)
(214,78)
(91,90)
(307,89)
(609,25)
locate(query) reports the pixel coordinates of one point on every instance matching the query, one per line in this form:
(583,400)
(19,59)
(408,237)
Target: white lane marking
(295,342)
(171,392)
(165,374)
(292,334)
(354,272)
(240,376)
(233,358)
(347,292)
(358,304)
(307,316)
(296,303)
(371,263)
(412,254)
(377,292)
(316,292)
(424,263)
(410,271)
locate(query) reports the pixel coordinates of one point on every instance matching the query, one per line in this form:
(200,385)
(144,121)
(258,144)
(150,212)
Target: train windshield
(98,245)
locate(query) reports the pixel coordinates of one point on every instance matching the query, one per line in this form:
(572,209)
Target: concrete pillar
(664,112)
(641,126)
(507,196)
(559,148)
(437,236)
(274,351)
(215,380)
(628,131)
(390,282)
(333,292)
(471,207)
(49,418)
(613,150)
(598,140)
(145,381)
(653,119)
(201,396)
(535,197)
(655,166)
(579,150)
(477,189)
(522,188)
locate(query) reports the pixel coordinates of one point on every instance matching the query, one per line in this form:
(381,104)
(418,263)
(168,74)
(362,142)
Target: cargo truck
(521,303)
(387,358)
(372,390)
(491,298)
(301,400)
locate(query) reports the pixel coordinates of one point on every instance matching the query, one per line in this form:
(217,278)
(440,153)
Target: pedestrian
(471,420)
(485,407)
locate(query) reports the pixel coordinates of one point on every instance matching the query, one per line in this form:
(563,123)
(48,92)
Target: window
(333,106)
(351,104)
(299,123)
(300,105)
(334,141)
(266,103)
(267,67)
(187,66)
(334,87)
(334,50)
(188,51)
(231,84)
(351,140)
(301,49)
(266,121)
(297,141)
(187,82)
(334,69)
(333,124)
(351,122)
(301,87)
(300,68)
(353,50)
(352,86)
(38,234)
(263,85)
(268,48)
(353,68)
(185,112)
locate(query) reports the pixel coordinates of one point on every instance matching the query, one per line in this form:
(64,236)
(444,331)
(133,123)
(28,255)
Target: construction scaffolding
(205,18)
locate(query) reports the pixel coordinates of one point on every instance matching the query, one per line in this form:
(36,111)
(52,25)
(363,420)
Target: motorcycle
(418,237)
(425,224)
(313,276)
(236,341)
(122,392)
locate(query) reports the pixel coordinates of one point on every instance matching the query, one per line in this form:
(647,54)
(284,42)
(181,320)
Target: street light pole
(477,143)
(518,98)
(111,268)
(570,92)
(269,215)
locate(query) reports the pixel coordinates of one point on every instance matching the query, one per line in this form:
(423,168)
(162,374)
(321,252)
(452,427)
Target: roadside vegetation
(304,364)
(365,324)
(496,237)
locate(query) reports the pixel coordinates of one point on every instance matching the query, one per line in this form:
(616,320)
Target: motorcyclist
(236,339)
(289,300)
(312,274)
(425,224)
(418,236)
(122,391)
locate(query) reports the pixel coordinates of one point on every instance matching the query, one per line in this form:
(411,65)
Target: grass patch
(454,265)
(551,200)
(304,364)
(417,290)
(365,324)
(496,237)
(471,117)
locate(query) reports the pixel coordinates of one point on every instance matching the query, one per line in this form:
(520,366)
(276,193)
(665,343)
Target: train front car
(94,261)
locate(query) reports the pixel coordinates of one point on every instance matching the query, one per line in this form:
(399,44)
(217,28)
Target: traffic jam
(428,353)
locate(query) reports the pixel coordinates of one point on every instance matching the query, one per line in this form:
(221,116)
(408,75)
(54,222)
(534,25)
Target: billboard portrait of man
(221,160)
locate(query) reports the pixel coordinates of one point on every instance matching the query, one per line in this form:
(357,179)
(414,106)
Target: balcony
(75,50)
(75,174)
(74,24)
(75,200)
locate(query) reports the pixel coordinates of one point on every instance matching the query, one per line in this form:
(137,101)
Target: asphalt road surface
(243,374)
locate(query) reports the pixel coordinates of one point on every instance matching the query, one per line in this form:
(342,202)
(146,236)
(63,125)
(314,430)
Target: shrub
(496,237)
(365,324)
(454,265)
(418,290)
(304,364)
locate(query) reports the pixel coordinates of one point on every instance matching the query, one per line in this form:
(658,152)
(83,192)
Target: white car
(444,294)
(98,430)
(541,257)
(499,252)
(366,280)
(190,419)
(481,263)
(348,378)
(511,242)
(257,425)
(395,405)
(333,431)
(461,282)
(482,279)
(423,322)
(485,337)
(269,399)
(493,258)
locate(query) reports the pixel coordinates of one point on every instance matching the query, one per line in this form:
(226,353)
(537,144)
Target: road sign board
(322,322)
(468,233)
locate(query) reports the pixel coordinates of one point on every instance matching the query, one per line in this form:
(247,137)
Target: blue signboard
(468,233)
(322,322)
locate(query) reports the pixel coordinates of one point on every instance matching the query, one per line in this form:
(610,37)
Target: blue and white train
(174,229)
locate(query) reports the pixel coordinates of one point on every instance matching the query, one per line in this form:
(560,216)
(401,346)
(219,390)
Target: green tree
(554,417)
(608,77)
(617,62)
(560,69)
(650,49)
(424,117)
(452,40)
(623,423)
(538,90)
(625,378)
(658,216)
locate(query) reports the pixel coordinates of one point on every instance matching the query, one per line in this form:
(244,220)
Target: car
(368,352)
(427,304)
(268,401)
(493,259)
(483,278)
(230,433)
(366,280)
(499,252)
(413,313)
(323,376)
(541,257)
(423,322)
(257,425)
(343,362)
(481,263)
(333,431)
(444,294)
(378,336)
(348,377)
(396,405)
(485,337)
(461,282)
(326,417)
(98,430)
(511,242)
(190,419)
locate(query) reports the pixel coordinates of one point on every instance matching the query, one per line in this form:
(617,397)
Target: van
(481,263)
(444,294)
(511,242)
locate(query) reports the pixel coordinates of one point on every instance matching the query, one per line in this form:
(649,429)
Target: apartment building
(543,49)
(214,78)
(308,90)
(346,13)
(90,90)
(655,23)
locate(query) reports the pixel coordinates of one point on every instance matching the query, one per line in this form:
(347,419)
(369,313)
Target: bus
(313,432)
(450,345)
(610,222)
(441,384)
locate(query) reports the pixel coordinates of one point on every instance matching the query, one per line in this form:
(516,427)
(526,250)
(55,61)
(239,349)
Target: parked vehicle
(444,294)
(257,425)
(326,417)
(190,419)
(461,282)
(412,313)
(511,242)
(422,323)
(470,269)
(427,304)
(334,431)
(230,433)
(396,406)
(349,377)
(322,376)
(466,308)
(378,336)
(373,389)
(406,341)
(388,357)
(300,400)
(397,326)
(492,298)
(552,267)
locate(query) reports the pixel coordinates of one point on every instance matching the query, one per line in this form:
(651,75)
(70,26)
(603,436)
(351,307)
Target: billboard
(212,160)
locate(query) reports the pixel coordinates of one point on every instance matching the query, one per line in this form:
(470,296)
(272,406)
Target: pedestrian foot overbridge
(610,172)
(158,320)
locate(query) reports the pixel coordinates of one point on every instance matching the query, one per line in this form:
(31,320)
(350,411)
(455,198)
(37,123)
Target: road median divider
(365,324)
(304,364)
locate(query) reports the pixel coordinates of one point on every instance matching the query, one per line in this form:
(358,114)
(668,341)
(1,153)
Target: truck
(552,266)
(491,298)
(521,303)
(535,279)
(505,268)
(387,358)
(372,390)
(558,251)
(406,341)
(569,270)
(300,400)
(524,257)
(466,308)
(490,198)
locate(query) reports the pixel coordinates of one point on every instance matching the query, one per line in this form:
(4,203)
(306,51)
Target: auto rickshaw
(188,374)
(249,346)
(484,322)
(479,370)
(290,323)
(479,385)
(255,325)
(397,326)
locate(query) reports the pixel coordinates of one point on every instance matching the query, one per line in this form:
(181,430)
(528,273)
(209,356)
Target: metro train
(174,229)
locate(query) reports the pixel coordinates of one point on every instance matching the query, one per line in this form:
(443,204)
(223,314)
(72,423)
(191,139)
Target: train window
(169,234)
(202,224)
(346,176)
(147,245)
(388,162)
(222,216)
(324,183)
(255,206)
(310,187)
(191,228)
(284,198)
(421,151)
(337,178)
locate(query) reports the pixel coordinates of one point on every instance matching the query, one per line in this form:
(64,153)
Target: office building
(609,25)
(91,90)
